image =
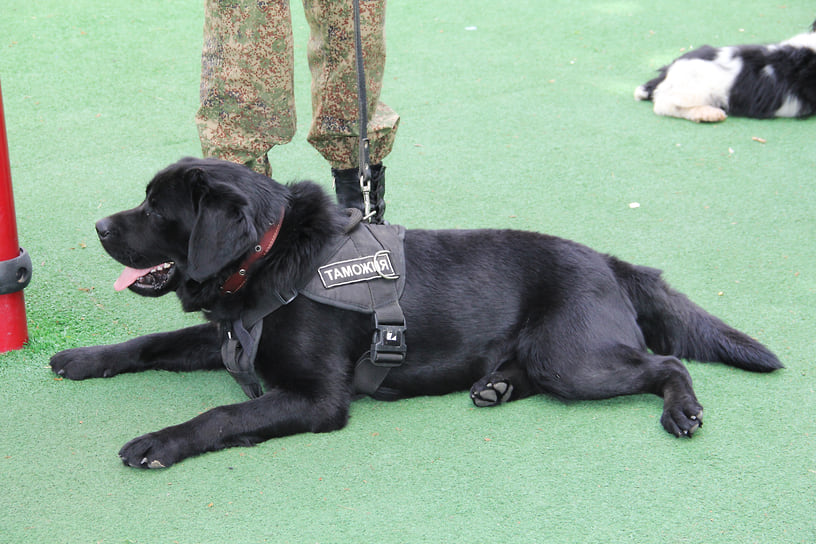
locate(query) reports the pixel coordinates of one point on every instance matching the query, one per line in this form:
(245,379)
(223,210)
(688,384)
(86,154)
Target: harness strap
(367,376)
(238,350)
(239,346)
(388,347)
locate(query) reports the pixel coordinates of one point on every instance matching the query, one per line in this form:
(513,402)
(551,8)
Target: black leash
(364,167)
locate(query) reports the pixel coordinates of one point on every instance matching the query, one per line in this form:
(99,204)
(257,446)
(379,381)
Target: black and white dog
(760,81)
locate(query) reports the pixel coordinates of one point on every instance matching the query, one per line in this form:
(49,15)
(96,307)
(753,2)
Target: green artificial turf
(515,114)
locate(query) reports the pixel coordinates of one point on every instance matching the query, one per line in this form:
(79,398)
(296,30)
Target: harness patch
(370,267)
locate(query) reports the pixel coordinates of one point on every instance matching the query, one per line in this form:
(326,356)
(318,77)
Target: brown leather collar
(239,278)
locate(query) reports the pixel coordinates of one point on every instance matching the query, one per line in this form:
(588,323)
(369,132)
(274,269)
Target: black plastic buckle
(388,344)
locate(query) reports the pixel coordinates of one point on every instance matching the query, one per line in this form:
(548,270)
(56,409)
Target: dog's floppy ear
(223,230)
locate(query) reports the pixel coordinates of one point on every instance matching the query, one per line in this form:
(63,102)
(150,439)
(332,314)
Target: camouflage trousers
(247,82)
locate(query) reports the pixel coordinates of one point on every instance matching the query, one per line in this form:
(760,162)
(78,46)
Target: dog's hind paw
(683,421)
(491,393)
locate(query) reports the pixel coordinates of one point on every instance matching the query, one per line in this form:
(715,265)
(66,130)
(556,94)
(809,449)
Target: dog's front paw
(153,450)
(707,114)
(490,393)
(81,363)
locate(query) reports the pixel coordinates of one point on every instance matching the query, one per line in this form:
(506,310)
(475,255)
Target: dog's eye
(152,212)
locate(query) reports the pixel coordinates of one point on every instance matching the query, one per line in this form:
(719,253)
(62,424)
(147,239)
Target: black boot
(350,194)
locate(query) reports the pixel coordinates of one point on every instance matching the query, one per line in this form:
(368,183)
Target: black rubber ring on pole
(15,274)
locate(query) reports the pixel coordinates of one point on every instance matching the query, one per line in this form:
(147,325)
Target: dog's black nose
(104,228)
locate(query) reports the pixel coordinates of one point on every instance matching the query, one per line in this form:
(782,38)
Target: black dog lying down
(506,314)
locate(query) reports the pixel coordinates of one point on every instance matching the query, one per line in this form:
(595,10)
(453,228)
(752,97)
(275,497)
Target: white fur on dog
(693,83)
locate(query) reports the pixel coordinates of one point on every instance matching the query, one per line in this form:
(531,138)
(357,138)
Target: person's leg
(247,83)
(335,113)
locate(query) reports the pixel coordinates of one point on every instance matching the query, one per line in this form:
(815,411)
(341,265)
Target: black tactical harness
(364,272)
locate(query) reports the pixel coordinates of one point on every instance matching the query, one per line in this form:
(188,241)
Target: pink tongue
(128,276)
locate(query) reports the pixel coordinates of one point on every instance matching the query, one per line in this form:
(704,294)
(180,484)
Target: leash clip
(365,180)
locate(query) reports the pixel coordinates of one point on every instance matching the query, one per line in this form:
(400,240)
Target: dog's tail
(646,91)
(674,325)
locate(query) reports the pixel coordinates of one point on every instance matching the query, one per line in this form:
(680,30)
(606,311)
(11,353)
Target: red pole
(13,330)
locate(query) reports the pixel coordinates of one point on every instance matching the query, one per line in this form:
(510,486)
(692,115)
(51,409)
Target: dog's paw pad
(491,394)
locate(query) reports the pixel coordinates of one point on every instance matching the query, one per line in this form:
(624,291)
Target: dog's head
(199,217)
